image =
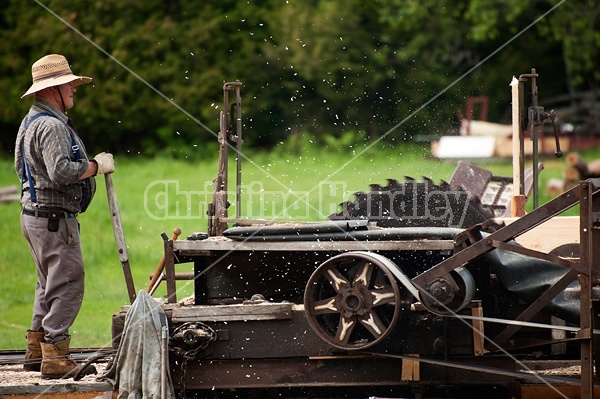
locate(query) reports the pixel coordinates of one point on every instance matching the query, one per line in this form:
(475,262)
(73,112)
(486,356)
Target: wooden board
(557,231)
(411,370)
(465,147)
(478,332)
(491,146)
(485,128)
(262,311)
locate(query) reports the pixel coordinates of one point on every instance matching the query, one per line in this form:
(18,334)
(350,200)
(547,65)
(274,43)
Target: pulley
(450,293)
(352,301)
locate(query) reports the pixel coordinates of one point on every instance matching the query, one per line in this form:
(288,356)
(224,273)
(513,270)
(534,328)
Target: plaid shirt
(47,147)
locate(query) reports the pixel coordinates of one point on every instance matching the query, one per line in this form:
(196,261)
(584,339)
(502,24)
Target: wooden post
(517,136)
(411,370)
(517,205)
(115,216)
(517,202)
(478,334)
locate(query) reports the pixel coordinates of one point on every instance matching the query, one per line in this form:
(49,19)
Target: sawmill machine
(413,289)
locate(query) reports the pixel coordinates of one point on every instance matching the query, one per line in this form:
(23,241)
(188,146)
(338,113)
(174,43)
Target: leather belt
(46,213)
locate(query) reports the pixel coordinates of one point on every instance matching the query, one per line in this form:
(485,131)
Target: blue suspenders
(26,172)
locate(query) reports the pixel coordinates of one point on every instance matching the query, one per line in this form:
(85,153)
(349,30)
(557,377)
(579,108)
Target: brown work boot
(33,355)
(57,362)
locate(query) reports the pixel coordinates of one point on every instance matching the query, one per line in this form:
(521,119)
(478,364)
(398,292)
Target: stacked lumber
(578,169)
(9,194)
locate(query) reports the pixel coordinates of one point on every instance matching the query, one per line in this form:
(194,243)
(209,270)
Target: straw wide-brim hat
(53,70)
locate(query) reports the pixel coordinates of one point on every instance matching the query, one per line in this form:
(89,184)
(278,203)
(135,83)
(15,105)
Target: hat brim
(44,84)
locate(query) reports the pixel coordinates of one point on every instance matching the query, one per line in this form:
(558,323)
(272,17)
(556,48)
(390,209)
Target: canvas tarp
(137,369)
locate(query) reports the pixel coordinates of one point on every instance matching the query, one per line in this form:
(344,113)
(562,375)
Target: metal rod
(519,323)
(156,284)
(533,132)
(163,363)
(536,201)
(238,118)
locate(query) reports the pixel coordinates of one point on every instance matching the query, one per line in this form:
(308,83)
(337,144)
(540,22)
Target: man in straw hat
(57,181)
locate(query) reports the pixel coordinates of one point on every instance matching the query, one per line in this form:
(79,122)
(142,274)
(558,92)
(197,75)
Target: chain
(191,354)
(183,374)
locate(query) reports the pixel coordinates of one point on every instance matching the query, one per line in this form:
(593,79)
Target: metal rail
(526,376)
(8,357)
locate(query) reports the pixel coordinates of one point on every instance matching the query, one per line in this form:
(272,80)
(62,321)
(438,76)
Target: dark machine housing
(374,303)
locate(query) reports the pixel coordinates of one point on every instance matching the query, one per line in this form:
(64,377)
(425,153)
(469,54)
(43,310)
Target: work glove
(105,163)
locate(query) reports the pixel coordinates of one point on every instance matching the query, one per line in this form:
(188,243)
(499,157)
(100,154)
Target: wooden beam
(478,334)
(411,370)
(263,311)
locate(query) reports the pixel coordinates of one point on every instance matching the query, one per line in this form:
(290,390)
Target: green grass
(272,184)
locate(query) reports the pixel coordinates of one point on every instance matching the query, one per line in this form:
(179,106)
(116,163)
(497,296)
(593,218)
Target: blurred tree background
(323,67)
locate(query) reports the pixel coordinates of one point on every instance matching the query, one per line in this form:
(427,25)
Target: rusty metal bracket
(590,256)
(584,333)
(587,269)
(230,121)
(509,232)
(536,306)
(537,254)
(170,272)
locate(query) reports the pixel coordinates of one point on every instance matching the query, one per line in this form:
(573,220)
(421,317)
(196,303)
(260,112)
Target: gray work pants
(59,263)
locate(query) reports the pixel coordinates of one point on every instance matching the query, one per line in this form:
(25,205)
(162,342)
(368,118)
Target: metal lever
(552,117)
(538,116)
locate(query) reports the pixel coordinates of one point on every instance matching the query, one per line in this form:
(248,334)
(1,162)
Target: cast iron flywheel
(352,301)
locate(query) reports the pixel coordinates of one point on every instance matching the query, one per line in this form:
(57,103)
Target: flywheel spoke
(374,324)
(345,328)
(335,278)
(364,273)
(383,296)
(324,306)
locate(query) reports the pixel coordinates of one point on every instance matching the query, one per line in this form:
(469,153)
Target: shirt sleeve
(18,154)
